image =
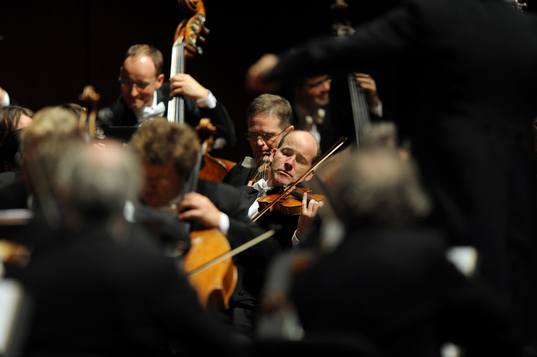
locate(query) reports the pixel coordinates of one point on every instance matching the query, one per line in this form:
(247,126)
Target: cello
(216,284)
(185,46)
(360,107)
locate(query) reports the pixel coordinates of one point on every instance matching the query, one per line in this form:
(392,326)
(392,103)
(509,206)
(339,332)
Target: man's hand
(184,84)
(370,88)
(196,206)
(256,76)
(308,212)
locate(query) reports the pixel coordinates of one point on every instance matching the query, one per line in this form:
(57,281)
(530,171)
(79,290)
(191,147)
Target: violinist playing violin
(269,117)
(169,152)
(297,152)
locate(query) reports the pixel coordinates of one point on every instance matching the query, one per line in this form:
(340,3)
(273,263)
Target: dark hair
(159,142)
(10,149)
(10,117)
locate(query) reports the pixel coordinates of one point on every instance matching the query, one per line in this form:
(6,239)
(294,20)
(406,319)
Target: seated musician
(100,287)
(145,95)
(169,152)
(297,152)
(318,110)
(269,117)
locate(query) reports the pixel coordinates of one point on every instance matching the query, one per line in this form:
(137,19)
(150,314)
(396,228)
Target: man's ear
(160,80)
(272,153)
(309,176)
(290,129)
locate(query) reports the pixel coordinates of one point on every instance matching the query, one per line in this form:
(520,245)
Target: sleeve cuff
(5,102)
(209,102)
(295,239)
(224,223)
(377,110)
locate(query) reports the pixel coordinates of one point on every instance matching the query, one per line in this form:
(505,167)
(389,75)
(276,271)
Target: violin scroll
(89,94)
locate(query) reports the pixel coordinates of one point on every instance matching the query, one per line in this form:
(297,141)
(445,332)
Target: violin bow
(292,187)
(232,253)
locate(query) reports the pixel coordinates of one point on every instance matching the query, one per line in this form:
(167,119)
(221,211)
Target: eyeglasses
(266,137)
(127,83)
(319,83)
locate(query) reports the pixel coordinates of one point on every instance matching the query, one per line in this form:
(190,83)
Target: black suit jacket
(470,128)
(100,293)
(396,288)
(119,114)
(238,175)
(253,262)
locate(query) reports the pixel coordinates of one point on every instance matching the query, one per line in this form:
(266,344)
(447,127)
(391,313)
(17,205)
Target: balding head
(297,152)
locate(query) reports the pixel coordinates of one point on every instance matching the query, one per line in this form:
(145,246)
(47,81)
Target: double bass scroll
(185,46)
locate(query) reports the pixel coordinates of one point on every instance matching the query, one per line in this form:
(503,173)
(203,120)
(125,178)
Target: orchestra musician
(145,95)
(473,142)
(317,110)
(269,117)
(297,152)
(100,285)
(47,125)
(389,280)
(169,152)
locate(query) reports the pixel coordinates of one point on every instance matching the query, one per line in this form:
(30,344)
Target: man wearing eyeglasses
(269,117)
(315,111)
(145,95)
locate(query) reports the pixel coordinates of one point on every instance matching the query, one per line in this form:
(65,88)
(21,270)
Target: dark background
(50,50)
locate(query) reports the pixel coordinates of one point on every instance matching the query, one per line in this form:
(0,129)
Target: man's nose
(134,91)
(289,164)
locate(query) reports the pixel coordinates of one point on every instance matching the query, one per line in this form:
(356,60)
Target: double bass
(186,38)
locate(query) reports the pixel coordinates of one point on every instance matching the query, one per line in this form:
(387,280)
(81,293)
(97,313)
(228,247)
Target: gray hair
(379,188)
(96,181)
(271,104)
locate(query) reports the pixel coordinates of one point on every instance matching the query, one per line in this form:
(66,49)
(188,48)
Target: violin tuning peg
(201,38)
(200,50)
(205,30)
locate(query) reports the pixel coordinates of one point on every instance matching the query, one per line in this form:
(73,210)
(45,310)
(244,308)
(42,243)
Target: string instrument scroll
(87,123)
(185,46)
(360,107)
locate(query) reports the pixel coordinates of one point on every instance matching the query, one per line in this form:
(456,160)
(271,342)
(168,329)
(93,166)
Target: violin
(291,204)
(269,206)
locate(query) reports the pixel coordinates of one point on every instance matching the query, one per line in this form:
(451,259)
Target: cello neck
(360,108)
(176,106)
